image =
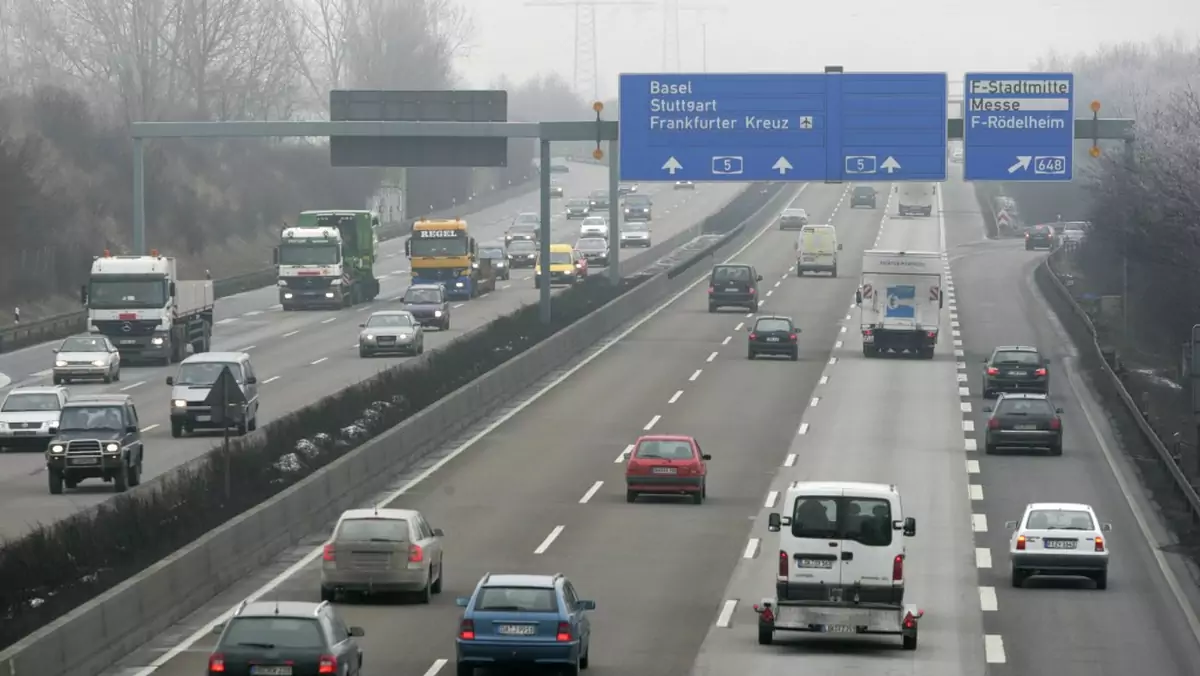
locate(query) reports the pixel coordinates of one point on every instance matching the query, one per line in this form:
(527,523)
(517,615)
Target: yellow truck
(443,252)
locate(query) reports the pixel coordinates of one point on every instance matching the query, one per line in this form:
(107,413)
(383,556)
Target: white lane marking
(711,357)
(42,374)
(739,326)
(824,380)
(271,585)
(624,455)
(675,397)
(962,377)
(772,497)
(959,353)
(813,402)
(749,314)
(790,460)
(837,344)
(760,303)
(541,549)
(832,361)
(962,365)
(317,361)
(955,333)
(847,316)
(270,380)
(695,375)
(969,445)
(972,467)
(726,614)
(979,523)
(993,649)
(590,492)
(983,557)
(437,667)
(289,334)
(252,313)
(957,342)
(248,348)
(456,306)
(975,492)
(276,306)
(328,321)
(227,320)
(965,406)
(727,339)
(133,385)
(843,330)
(954,324)
(964,391)
(147,428)
(803,429)
(653,421)
(751,549)
(769,292)
(987,599)
(505,286)
(968,425)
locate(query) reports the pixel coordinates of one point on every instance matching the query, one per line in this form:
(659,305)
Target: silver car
(382,551)
(87,357)
(793,219)
(29,417)
(391,332)
(635,234)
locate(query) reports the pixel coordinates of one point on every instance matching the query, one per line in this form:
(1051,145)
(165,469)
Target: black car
(556,190)
(294,638)
(428,305)
(499,258)
(598,200)
(522,253)
(1015,368)
(1040,237)
(98,437)
(685,185)
(1024,420)
(638,208)
(773,335)
(733,284)
(863,196)
(594,250)
(578,207)
(627,189)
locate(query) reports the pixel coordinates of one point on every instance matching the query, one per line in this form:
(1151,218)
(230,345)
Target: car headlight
(57,448)
(157,340)
(179,403)
(437,313)
(475,265)
(458,285)
(283,282)
(500,264)
(111,448)
(337,281)
(287,296)
(329,294)
(99,362)
(368,337)
(60,363)
(403,336)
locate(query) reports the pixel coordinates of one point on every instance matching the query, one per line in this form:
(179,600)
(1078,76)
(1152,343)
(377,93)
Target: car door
(429,542)
(813,547)
(579,617)
(251,388)
(132,440)
(343,645)
(869,545)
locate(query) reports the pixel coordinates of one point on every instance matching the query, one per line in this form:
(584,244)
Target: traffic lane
(492,222)
(908,233)
(1053,625)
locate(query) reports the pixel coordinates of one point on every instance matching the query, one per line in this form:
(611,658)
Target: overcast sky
(954,36)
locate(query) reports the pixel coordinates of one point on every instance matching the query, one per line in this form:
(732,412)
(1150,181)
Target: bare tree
(318,36)
(405,44)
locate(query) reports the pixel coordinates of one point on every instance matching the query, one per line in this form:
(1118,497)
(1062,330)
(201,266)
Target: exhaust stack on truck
(900,301)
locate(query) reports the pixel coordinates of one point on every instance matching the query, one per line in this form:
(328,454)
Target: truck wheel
(176,429)
(56,481)
(989,449)
(927,353)
(121,479)
(1056,449)
(910,640)
(765,634)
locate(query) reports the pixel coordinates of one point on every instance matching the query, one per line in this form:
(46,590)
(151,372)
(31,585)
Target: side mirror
(760,278)
(858,297)
(131,429)
(55,350)
(774,522)
(462,601)
(251,380)
(910,527)
(706,457)
(1010,525)
(171,289)
(438,532)
(218,628)
(83,295)
(275,256)
(1058,410)
(586,605)
(987,409)
(357,632)
(170,380)
(1105,527)
(362,326)
(839,247)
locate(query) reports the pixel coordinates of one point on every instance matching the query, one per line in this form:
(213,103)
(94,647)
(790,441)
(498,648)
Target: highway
(1053,626)
(302,356)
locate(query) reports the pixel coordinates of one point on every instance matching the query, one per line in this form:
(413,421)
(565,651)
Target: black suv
(98,437)
(1039,237)
(1015,368)
(428,305)
(773,335)
(734,284)
(863,196)
(289,638)
(638,208)
(1024,420)
(598,200)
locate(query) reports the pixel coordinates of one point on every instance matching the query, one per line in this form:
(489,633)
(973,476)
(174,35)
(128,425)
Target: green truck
(327,260)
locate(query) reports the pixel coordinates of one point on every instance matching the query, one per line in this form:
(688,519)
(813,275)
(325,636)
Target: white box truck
(900,301)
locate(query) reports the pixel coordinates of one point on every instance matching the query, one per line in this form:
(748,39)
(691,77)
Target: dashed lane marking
(695,375)
(675,397)
(624,455)
(726,615)
(590,492)
(803,429)
(541,549)
(133,385)
(979,523)
(790,460)
(653,421)
(987,599)
(993,649)
(983,557)
(772,497)
(270,380)
(751,548)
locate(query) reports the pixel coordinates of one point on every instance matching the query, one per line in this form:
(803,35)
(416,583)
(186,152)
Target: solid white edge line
(541,549)
(726,614)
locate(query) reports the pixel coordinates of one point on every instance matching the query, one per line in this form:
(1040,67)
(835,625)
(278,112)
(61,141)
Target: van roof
(854,487)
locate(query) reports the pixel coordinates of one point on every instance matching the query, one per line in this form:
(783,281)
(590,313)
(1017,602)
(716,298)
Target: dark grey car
(428,305)
(1024,421)
(99,437)
(293,638)
(733,284)
(1015,368)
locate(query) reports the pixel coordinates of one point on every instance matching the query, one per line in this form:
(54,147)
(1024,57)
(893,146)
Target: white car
(635,233)
(29,417)
(86,357)
(1058,539)
(594,226)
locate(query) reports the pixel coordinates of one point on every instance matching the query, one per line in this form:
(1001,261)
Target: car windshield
(83,344)
(1060,519)
(577,203)
(637,201)
(593,220)
(528,218)
(594,244)
(524,228)
(373,530)
(404,321)
(664,450)
(18,402)
(423,296)
(1025,407)
(731,273)
(92,418)
(1024,358)
(517,599)
(561,258)
(633,226)
(205,373)
(275,632)
(773,325)
(522,246)
(493,252)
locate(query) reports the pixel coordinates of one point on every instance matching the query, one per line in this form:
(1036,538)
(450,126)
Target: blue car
(524,620)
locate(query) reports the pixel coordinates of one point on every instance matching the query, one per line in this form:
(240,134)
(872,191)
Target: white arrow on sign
(672,165)
(890,164)
(1021,165)
(781,165)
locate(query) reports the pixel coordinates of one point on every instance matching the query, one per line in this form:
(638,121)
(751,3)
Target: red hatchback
(667,465)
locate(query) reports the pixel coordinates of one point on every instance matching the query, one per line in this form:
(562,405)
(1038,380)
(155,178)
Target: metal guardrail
(1182,484)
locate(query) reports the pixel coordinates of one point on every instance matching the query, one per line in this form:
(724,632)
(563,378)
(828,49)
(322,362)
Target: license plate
(839,629)
(85,461)
(664,470)
(772,339)
(1026,427)
(203,418)
(258,670)
(516,630)
(731,290)
(1060,544)
(129,341)
(1017,373)
(814,563)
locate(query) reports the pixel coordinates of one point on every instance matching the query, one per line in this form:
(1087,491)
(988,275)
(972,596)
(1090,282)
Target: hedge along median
(58,568)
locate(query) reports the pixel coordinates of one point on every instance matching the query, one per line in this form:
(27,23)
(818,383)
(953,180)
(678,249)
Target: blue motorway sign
(1019,127)
(783,127)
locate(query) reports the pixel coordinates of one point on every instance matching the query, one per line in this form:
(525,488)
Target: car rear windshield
(524,227)
(773,325)
(528,218)
(1060,519)
(731,273)
(599,194)
(864,520)
(577,202)
(380,530)
(31,402)
(277,632)
(1036,407)
(517,599)
(863,190)
(664,450)
(522,245)
(1024,358)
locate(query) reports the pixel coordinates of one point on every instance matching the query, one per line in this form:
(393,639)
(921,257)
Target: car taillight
(564,632)
(710,290)
(792,337)
(866,332)
(898,568)
(466,630)
(932,334)
(1099,543)
(783,563)
(993,424)
(1040,372)
(753,336)
(327,664)
(1027,235)
(1055,424)
(216,663)
(1021,542)
(909,621)
(328,554)
(415,554)
(752,291)
(992,371)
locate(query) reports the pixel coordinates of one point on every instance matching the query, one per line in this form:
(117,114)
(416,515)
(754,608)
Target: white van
(841,562)
(916,199)
(817,250)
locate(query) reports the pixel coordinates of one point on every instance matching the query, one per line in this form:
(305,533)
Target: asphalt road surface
(303,356)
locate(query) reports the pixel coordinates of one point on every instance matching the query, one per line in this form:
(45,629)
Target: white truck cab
(841,562)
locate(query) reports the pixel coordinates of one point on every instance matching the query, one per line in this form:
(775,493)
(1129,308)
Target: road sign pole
(139,198)
(543,263)
(614,213)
